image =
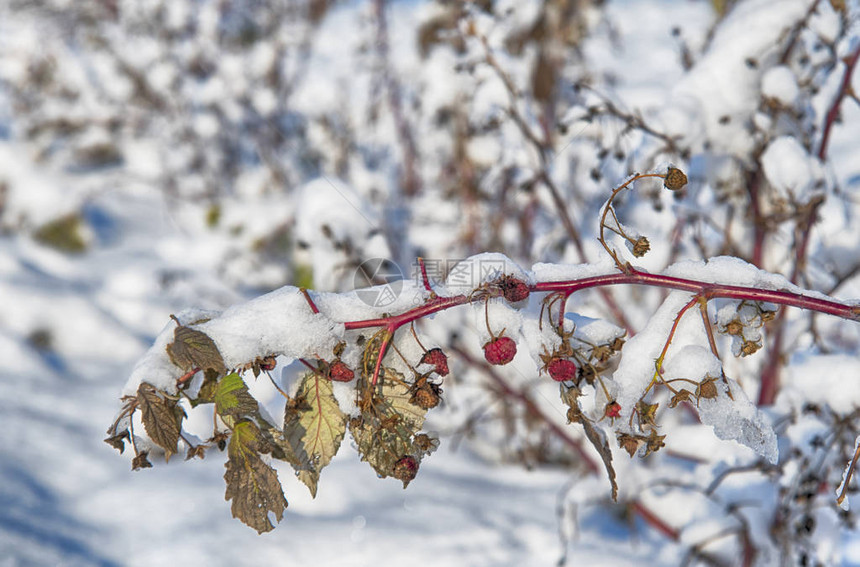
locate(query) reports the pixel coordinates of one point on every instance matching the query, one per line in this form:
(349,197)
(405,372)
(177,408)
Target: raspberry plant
(369,374)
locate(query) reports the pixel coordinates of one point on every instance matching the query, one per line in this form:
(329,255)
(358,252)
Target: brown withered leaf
(140,461)
(252,485)
(194,349)
(118,441)
(386,432)
(680,396)
(161,416)
(314,429)
(196,451)
(598,440)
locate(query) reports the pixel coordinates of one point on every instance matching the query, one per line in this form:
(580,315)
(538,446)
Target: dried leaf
(598,440)
(118,441)
(315,428)
(196,451)
(252,485)
(386,431)
(140,461)
(161,416)
(192,349)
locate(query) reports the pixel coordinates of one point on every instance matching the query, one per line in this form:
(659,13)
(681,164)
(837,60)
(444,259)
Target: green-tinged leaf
(192,349)
(161,416)
(386,430)
(314,428)
(206,393)
(232,399)
(252,485)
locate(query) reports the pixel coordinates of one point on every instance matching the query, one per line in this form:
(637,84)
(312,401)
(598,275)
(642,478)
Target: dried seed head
(734,328)
(500,351)
(601,353)
(629,443)
(707,389)
(616,344)
(675,179)
(426,396)
(574,415)
(562,370)
(749,347)
(425,443)
(641,247)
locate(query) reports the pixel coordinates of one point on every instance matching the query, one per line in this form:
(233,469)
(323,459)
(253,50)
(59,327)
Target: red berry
(500,350)
(268,363)
(562,370)
(438,359)
(612,410)
(340,372)
(513,289)
(405,469)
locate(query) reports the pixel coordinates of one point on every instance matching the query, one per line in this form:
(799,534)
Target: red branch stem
(705,290)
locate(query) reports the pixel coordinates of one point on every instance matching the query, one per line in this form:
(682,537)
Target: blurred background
(157,155)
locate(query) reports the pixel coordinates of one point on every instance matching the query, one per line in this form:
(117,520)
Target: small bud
(641,247)
(675,179)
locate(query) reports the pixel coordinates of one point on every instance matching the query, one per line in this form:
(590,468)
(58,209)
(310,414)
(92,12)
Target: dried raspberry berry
(426,394)
(500,350)
(340,372)
(268,363)
(612,410)
(513,289)
(562,370)
(438,359)
(675,179)
(405,469)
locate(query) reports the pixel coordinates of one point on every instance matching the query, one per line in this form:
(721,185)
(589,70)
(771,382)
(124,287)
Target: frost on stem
(368,372)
